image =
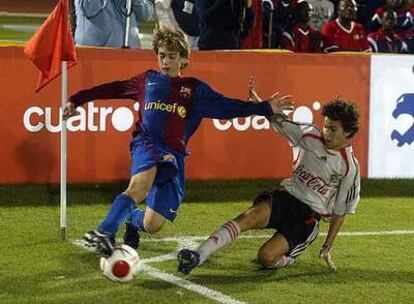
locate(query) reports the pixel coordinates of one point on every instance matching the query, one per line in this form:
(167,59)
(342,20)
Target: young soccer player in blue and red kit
(171,109)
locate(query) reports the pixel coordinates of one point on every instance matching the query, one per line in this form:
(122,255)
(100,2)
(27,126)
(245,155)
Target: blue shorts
(167,191)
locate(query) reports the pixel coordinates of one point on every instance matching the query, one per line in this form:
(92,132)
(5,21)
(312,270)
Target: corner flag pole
(63,155)
(52,50)
(128,9)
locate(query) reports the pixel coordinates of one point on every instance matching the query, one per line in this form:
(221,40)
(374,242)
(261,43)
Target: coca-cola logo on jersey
(312,181)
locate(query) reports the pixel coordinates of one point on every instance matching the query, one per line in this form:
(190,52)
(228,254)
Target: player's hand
(69,110)
(253,96)
(281,103)
(325,254)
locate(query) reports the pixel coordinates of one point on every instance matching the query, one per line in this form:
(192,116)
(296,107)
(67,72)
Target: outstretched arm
(346,203)
(127,89)
(210,104)
(334,227)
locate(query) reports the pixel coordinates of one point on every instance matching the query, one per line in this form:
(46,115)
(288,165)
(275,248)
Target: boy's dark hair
(174,40)
(345,112)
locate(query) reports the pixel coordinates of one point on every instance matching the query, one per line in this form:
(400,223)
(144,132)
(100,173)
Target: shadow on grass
(196,191)
(318,275)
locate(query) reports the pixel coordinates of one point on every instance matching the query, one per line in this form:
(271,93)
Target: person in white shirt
(102,22)
(325,184)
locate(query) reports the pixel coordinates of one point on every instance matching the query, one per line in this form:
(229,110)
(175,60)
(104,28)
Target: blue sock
(121,208)
(136,219)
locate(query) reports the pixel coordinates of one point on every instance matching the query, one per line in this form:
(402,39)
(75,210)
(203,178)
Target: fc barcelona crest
(185,92)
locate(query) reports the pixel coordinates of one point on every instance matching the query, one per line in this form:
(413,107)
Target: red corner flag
(52,44)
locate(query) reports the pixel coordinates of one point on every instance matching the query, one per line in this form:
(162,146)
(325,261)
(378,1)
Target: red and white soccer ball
(122,265)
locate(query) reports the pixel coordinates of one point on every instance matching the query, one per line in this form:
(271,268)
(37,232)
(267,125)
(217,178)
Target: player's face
(334,136)
(169,62)
(347,9)
(305,12)
(388,21)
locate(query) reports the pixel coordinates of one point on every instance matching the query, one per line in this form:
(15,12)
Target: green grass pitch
(36,267)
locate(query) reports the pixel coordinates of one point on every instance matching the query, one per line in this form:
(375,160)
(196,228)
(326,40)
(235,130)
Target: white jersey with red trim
(326,180)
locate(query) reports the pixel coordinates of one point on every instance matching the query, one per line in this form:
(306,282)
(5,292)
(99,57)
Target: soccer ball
(122,265)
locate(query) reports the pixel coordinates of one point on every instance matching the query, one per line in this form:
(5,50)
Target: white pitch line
(170,278)
(191,242)
(263,236)
(161,258)
(375,233)
(204,291)
(167,277)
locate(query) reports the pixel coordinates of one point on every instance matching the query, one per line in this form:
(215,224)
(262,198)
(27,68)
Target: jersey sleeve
(210,104)
(126,89)
(349,191)
(293,131)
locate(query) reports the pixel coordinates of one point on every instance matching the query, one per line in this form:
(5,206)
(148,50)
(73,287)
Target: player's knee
(266,257)
(152,228)
(137,191)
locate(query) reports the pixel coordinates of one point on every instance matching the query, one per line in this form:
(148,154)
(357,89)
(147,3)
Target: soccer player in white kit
(325,184)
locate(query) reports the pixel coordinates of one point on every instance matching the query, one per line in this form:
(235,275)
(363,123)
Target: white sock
(227,233)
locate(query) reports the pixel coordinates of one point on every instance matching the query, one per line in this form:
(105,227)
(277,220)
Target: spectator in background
(303,37)
(72,16)
(408,6)
(222,23)
(180,15)
(403,21)
(343,33)
(366,10)
(102,22)
(385,40)
(278,17)
(254,39)
(322,12)
(408,37)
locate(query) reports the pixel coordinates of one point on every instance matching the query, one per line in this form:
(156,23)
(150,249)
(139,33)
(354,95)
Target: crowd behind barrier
(381,26)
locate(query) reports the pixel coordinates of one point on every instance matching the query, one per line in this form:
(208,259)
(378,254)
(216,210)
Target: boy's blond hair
(173,40)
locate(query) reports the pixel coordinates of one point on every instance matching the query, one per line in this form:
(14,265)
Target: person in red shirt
(254,39)
(303,37)
(403,17)
(343,33)
(278,16)
(385,40)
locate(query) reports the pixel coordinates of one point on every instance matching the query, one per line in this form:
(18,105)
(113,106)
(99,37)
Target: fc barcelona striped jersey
(171,109)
